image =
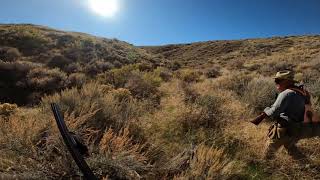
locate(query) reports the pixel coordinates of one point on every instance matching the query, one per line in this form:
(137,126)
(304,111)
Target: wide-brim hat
(285,75)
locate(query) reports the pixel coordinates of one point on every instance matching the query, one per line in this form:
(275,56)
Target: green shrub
(118,77)
(236,82)
(260,93)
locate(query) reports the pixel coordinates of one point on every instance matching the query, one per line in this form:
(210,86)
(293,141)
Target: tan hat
(286,75)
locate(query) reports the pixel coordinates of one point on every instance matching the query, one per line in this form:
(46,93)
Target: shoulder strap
(303,92)
(300,91)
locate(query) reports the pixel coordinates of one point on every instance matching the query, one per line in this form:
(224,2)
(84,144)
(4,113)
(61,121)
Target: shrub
(205,113)
(111,110)
(122,94)
(314,88)
(76,79)
(165,74)
(260,93)
(145,67)
(13,77)
(6,109)
(144,87)
(59,61)
(96,67)
(175,65)
(46,80)
(205,163)
(120,157)
(73,68)
(236,82)
(189,75)
(190,95)
(212,73)
(9,54)
(118,77)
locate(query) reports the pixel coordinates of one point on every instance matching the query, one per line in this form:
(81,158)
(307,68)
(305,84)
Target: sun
(104,8)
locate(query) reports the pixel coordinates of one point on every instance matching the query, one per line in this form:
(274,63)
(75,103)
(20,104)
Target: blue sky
(157,22)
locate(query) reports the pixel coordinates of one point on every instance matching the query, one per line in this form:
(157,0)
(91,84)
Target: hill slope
(35,60)
(242,53)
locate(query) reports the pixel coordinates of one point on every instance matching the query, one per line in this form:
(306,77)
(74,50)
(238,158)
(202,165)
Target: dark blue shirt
(289,106)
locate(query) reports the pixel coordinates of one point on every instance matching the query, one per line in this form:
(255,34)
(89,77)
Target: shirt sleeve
(278,106)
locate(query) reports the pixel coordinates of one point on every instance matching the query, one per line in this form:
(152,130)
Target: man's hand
(258,119)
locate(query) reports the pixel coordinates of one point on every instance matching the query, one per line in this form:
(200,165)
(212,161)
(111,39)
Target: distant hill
(242,53)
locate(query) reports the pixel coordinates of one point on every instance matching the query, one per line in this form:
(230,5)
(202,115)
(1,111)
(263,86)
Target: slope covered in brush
(250,53)
(35,60)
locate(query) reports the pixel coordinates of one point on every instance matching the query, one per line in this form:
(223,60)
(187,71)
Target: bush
(122,94)
(236,82)
(6,109)
(96,67)
(205,113)
(46,80)
(205,163)
(212,73)
(111,110)
(13,77)
(260,93)
(165,74)
(76,79)
(175,65)
(314,88)
(144,87)
(9,54)
(190,95)
(118,77)
(73,68)
(189,75)
(145,67)
(59,61)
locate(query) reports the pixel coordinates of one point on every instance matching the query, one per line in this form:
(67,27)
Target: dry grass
(205,163)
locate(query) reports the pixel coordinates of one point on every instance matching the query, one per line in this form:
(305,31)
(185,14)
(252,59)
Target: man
(288,110)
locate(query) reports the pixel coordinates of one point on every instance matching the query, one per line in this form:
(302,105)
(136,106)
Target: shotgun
(72,144)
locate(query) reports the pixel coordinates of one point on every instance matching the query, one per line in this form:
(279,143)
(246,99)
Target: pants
(288,137)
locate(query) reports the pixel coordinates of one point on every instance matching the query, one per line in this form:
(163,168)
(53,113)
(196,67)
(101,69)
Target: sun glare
(104,8)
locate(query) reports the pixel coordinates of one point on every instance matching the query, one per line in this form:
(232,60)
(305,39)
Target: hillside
(30,56)
(250,54)
(166,112)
